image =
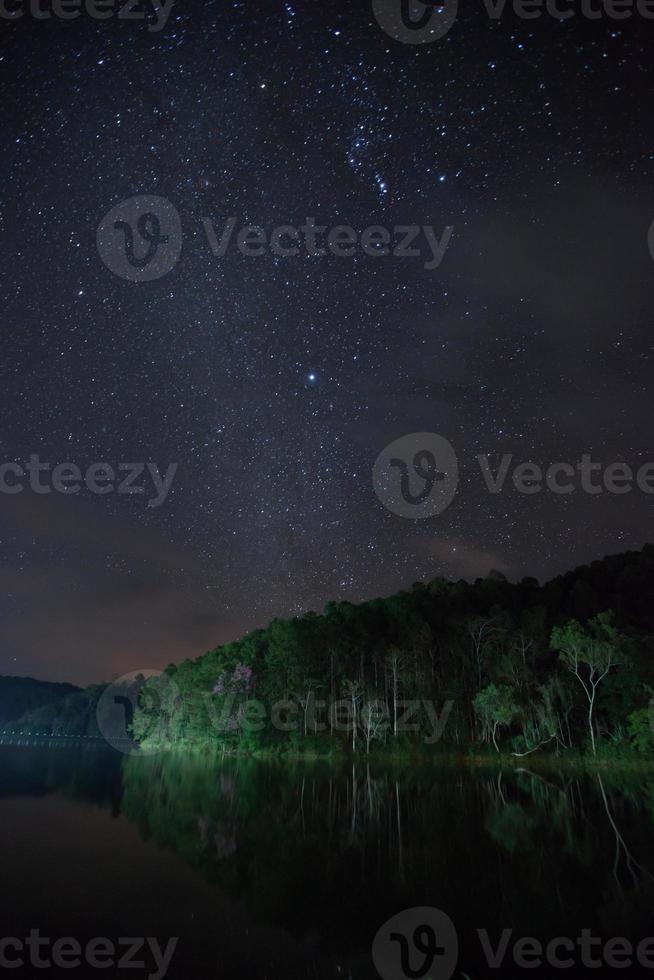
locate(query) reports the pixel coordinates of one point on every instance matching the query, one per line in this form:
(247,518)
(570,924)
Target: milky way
(274,381)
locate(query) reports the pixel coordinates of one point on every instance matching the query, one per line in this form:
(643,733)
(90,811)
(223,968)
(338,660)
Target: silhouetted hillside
(18,695)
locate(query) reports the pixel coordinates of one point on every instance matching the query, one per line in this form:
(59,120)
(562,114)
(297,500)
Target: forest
(488,666)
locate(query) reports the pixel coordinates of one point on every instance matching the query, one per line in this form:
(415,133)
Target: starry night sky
(275,382)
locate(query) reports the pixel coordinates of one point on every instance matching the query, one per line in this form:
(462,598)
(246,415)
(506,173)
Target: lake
(265,869)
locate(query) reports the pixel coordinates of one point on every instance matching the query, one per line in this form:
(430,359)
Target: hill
(18,695)
(456,662)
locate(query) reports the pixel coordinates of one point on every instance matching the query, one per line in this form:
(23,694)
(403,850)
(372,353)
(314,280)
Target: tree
(395,662)
(479,630)
(353,693)
(311,684)
(374,721)
(494,706)
(590,654)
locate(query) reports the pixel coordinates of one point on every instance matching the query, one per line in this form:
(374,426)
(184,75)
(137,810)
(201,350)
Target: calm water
(274,871)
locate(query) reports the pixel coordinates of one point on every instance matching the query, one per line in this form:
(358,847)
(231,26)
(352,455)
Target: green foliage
(487,649)
(641,731)
(598,646)
(590,653)
(495,707)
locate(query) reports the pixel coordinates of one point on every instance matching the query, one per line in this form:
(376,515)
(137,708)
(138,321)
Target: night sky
(275,382)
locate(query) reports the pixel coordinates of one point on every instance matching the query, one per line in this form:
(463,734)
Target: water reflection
(333,853)
(326,854)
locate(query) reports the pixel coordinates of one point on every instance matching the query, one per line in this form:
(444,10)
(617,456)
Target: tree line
(516,667)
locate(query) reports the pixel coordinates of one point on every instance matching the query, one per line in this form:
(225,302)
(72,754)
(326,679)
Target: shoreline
(407,760)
